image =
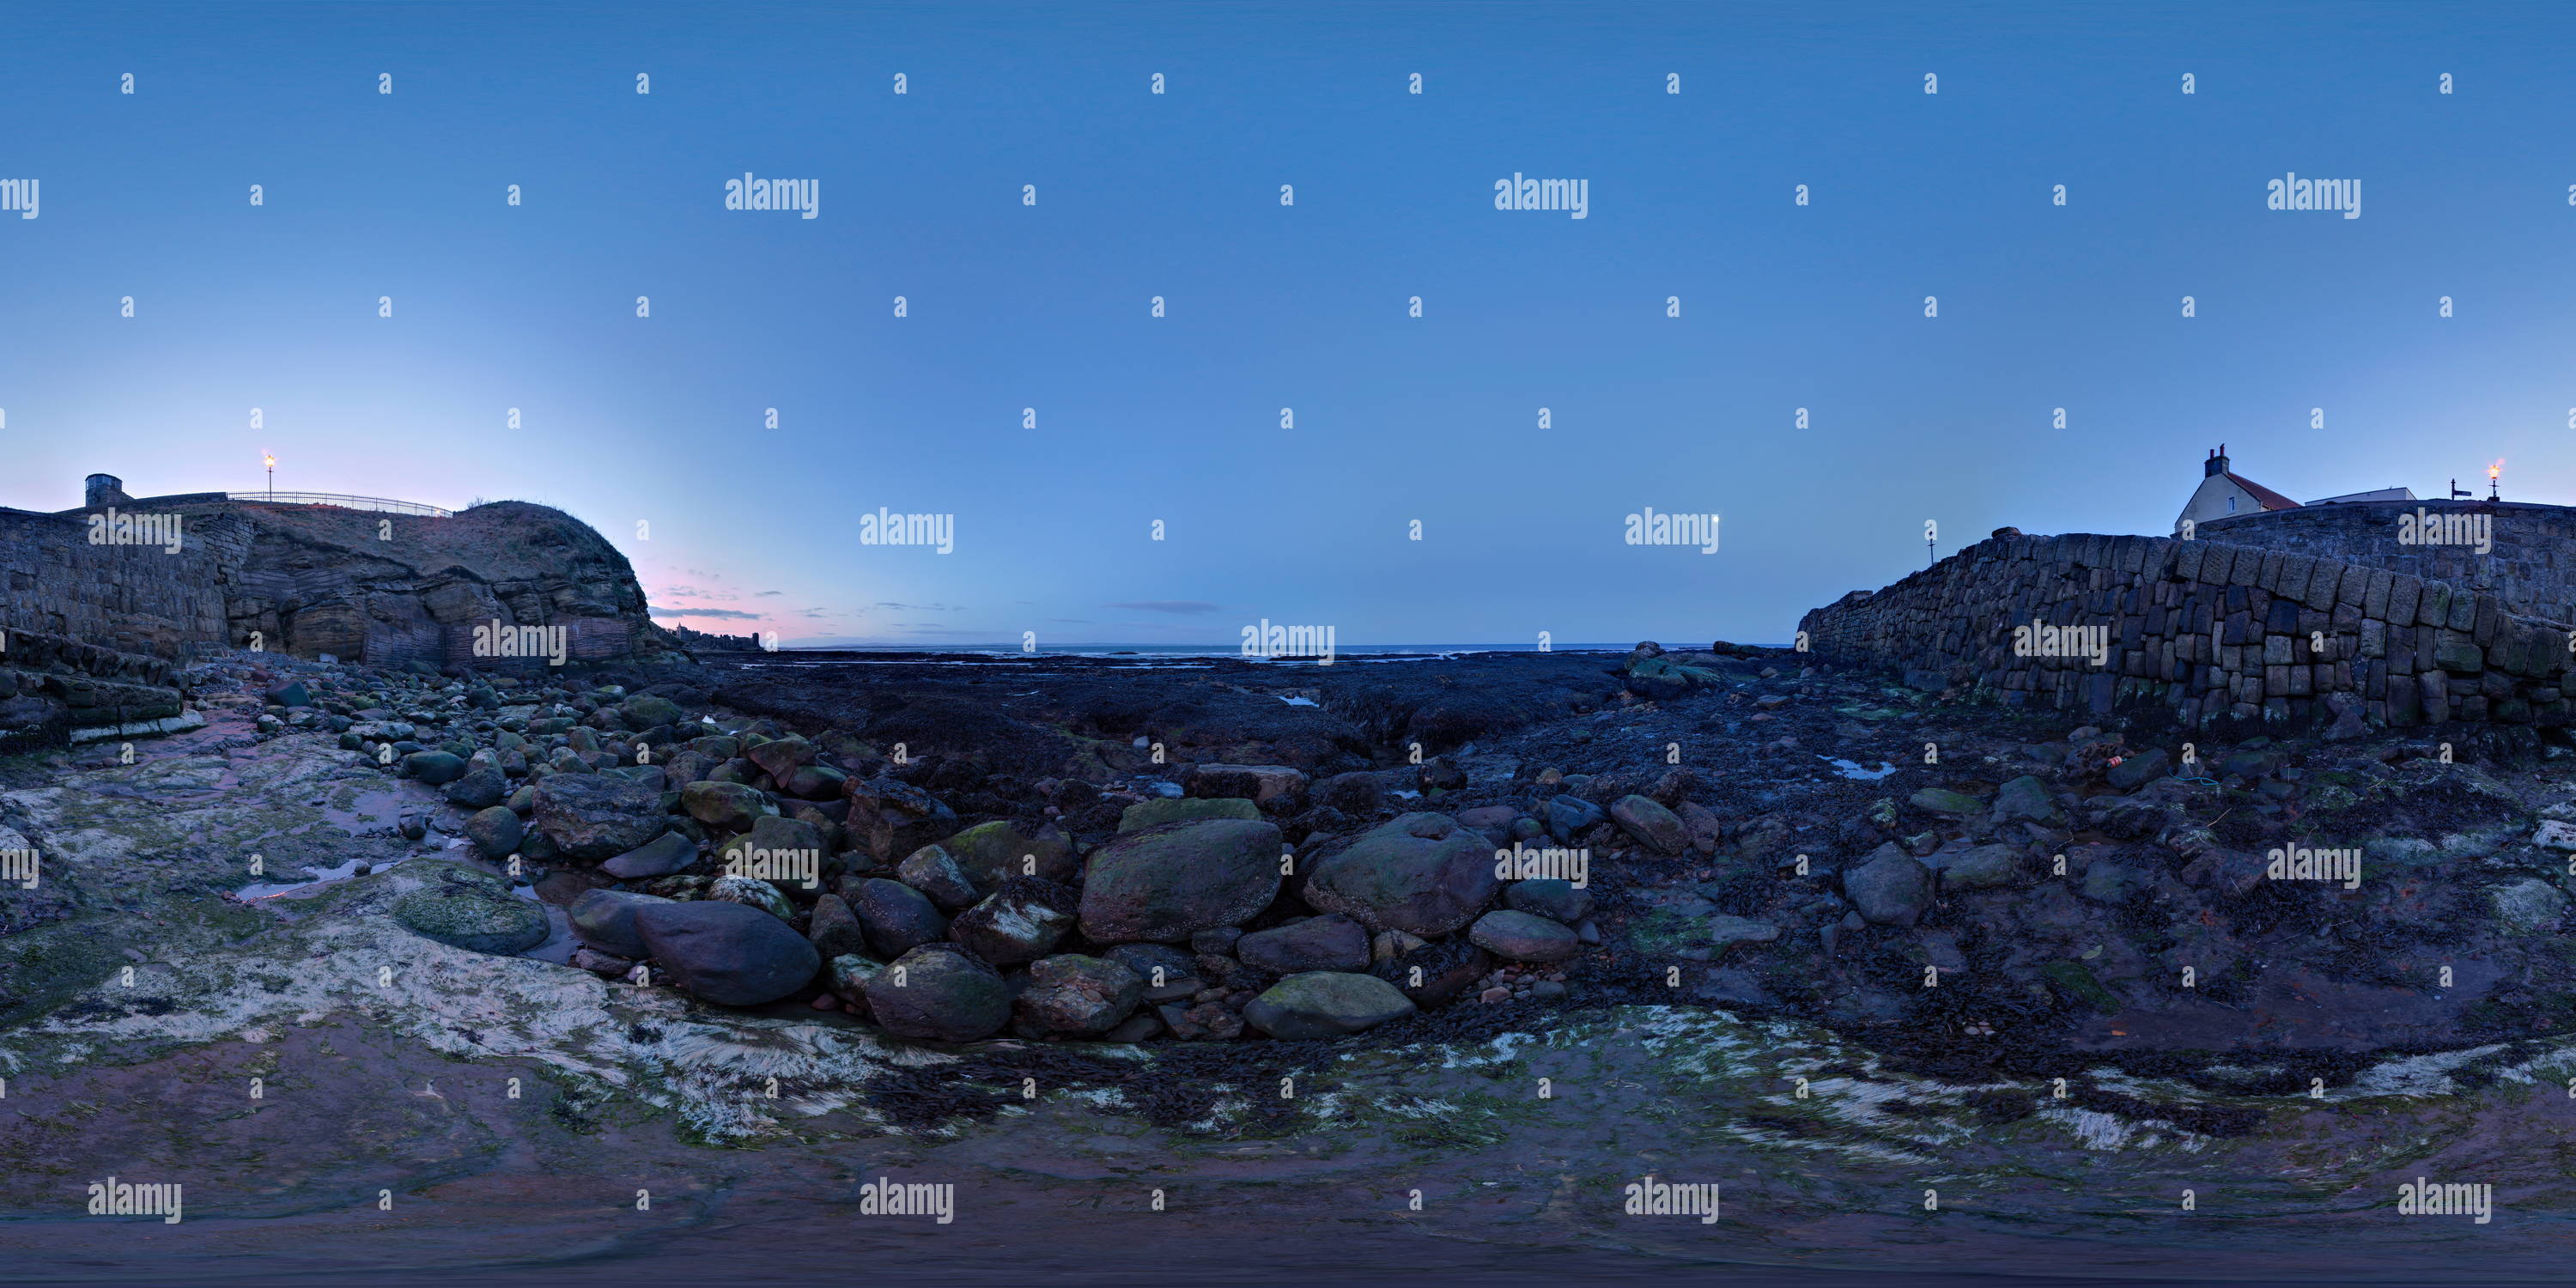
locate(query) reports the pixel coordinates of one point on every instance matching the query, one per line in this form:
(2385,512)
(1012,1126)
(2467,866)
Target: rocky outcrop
(389,588)
(308,580)
(51,685)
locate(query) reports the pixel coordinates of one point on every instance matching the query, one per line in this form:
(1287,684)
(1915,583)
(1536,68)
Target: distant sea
(1211,650)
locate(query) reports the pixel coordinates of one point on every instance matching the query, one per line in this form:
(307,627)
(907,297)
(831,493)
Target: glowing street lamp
(271,462)
(2494,473)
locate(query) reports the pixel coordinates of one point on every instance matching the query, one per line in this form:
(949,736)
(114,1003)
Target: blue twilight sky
(662,419)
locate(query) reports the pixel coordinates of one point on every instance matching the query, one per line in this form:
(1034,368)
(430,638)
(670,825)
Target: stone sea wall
(2209,629)
(2530,563)
(136,599)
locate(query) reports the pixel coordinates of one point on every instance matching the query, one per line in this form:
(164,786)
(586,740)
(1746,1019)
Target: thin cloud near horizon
(1179,606)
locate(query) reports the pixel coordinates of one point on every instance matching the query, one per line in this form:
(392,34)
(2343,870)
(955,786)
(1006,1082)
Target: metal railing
(345,502)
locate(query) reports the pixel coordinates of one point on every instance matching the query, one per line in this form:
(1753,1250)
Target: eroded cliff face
(310,580)
(389,589)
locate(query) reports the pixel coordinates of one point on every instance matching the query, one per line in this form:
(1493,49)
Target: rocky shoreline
(1727,1015)
(1229,851)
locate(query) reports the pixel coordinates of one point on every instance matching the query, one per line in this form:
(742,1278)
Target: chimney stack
(2216,464)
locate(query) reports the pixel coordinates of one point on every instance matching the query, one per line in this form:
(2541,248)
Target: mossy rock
(466,909)
(2075,980)
(1181,809)
(1941,800)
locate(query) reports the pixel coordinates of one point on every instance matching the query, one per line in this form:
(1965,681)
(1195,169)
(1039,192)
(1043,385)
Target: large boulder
(896,917)
(1017,923)
(1267,785)
(1424,874)
(436,768)
(660,857)
(995,852)
(1326,1004)
(780,758)
(815,783)
(835,929)
(890,818)
(645,711)
(463,908)
(605,920)
(686,767)
(1168,883)
(731,806)
(939,993)
(779,849)
(2134,772)
(934,871)
(1332,942)
(1522,937)
(1568,816)
(1982,868)
(1941,800)
(2026,797)
(1182,809)
(1650,824)
(728,953)
(1080,995)
(593,816)
(1892,889)
(495,831)
(480,788)
(1551,898)
(752,893)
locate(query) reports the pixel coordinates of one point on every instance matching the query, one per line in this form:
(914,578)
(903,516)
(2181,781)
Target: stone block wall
(136,599)
(2209,629)
(2530,565)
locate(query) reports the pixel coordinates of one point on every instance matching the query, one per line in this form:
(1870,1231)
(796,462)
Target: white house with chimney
(2223,494)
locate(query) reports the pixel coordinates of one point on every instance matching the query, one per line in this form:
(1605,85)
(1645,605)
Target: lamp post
(271,462)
